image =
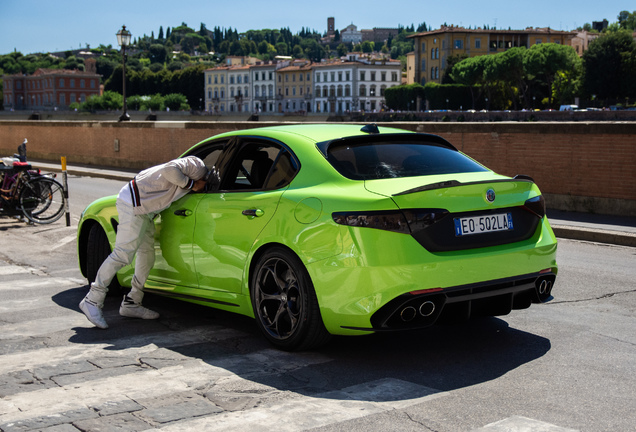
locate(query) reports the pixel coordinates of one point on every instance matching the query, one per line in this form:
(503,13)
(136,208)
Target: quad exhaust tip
(545,286)
(426,309)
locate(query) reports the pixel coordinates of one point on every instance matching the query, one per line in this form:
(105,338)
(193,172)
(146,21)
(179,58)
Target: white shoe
(93,313)
(131,309)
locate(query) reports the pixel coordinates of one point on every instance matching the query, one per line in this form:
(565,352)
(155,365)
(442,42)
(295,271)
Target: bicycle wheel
(42,200)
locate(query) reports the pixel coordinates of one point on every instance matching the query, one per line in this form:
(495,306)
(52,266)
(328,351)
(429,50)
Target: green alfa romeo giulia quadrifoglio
(341,229)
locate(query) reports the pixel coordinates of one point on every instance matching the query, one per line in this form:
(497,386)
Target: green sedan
(320,230)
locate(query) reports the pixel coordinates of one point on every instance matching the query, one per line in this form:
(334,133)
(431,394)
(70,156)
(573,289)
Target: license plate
(483,224)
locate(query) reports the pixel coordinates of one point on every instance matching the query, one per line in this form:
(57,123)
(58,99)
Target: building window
(362,75)
(458,44)
(61,83)
(363,90)
(423,46)
(347,91)
(477,43)
(394,75)
(372,76)
(372,91)
(339,76)
(348,76)
(383,76)
(216,79)
(317,77)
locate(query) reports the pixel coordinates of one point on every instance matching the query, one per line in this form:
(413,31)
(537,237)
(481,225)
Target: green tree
(342,49)
(471,72)
(176,102)
(404,97)
(627,21)
(609,66)
(367,46)
(545,61)
(158,53)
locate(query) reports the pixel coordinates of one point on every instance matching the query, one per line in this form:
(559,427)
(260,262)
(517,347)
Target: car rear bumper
(381,274)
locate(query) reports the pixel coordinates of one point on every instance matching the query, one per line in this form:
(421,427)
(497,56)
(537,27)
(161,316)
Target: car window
(391,160)
(209,153)
(260,165)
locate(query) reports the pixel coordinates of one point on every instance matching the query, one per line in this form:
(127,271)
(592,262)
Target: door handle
(253,212)
(183,212)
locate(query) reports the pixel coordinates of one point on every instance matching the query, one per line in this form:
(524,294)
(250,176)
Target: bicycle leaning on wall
(26,192)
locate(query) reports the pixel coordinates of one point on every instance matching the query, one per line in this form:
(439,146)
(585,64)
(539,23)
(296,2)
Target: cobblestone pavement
(58,374)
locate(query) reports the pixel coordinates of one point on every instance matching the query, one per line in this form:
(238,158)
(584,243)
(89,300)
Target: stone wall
(588,167)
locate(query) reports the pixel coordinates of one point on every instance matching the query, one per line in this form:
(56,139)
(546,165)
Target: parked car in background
(320,230)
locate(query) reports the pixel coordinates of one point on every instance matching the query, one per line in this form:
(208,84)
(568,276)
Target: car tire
(284,302)
(97,250)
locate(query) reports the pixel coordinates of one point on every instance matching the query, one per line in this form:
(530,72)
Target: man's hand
(199,185)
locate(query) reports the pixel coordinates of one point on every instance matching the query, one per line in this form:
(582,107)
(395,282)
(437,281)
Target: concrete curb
(594,235)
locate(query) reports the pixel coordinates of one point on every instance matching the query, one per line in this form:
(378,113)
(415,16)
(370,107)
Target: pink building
(49,89)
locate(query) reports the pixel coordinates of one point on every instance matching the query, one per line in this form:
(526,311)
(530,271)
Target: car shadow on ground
(439,358)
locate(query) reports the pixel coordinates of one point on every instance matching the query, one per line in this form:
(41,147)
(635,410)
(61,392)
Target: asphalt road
(561,366)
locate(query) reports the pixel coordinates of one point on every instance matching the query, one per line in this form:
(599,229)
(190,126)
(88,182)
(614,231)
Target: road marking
(22,284)
(307,412)
(13,269)
(64,241)
(522,424)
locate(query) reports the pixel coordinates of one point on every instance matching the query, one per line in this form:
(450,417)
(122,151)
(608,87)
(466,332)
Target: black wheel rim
(279,298)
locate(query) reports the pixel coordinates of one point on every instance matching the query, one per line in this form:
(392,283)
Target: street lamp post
(123,39)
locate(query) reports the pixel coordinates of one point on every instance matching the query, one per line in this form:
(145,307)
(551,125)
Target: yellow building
(294,86)
(433,48)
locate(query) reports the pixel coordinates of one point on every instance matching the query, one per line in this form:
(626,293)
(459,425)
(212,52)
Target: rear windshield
(381,160)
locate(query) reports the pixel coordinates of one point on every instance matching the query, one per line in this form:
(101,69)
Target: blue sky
(55,25)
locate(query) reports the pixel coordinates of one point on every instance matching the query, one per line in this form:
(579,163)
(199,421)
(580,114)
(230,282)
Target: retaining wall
(589,167)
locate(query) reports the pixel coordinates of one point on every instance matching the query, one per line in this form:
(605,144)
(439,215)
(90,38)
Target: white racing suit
(138,202)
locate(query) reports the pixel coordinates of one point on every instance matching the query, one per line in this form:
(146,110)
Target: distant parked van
(568,107)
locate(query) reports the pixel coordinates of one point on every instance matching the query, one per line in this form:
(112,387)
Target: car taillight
(402,221)
(536,205)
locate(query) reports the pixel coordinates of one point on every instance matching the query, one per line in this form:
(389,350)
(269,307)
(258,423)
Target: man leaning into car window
(138,202)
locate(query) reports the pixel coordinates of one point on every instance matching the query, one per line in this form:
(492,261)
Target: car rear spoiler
(455,183)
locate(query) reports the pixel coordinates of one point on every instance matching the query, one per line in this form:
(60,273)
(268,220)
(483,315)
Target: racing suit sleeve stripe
(134,193)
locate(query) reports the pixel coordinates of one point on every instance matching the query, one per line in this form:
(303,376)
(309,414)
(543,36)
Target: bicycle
(27,192)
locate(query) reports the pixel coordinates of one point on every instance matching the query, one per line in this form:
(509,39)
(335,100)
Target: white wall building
(351,35)
(343,86)
(263,87)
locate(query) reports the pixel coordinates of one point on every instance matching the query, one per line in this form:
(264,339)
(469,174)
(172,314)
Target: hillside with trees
(172,63)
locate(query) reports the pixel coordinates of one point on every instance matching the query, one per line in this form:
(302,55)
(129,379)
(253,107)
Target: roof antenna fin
(371,128)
